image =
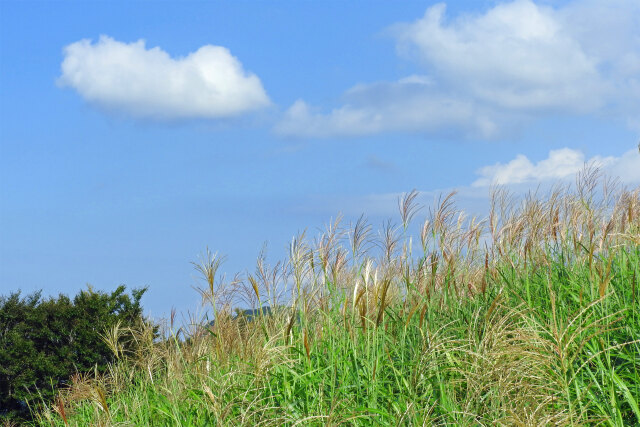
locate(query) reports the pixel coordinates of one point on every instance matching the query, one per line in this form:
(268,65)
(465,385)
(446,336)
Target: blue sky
(134,135)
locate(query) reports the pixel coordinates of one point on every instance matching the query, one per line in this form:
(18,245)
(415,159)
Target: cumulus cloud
(560,164)
(516,55)
(512,63)
(128,77)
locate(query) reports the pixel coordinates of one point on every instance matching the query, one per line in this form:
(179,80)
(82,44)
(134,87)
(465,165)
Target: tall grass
(528,317)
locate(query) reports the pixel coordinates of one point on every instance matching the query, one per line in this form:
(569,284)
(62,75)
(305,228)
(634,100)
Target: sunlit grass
(530,317)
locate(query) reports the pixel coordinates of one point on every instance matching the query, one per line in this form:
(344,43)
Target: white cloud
(128,77)
(519,176)
(515,62)
(411,105)
(560,164)
(627,167)
(609,30)
(516,55)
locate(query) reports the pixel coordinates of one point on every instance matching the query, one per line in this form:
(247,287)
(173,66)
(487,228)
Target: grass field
(528,317)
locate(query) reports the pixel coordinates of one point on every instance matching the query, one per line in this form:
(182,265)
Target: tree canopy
(43,341)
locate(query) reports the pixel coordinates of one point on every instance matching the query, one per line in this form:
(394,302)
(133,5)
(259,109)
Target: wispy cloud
(379,164)
(491,71)
(146,82)
(406,105)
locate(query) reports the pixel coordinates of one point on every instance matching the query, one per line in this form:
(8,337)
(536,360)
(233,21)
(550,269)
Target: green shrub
(45,341)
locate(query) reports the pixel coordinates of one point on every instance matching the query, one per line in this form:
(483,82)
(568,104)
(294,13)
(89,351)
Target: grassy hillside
(528,317)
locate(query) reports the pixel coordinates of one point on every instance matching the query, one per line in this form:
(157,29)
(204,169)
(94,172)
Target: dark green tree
(45,341)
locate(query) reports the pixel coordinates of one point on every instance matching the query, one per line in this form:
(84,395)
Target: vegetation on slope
(530,317)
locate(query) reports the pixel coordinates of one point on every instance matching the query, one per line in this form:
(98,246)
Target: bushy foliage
(45,341)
